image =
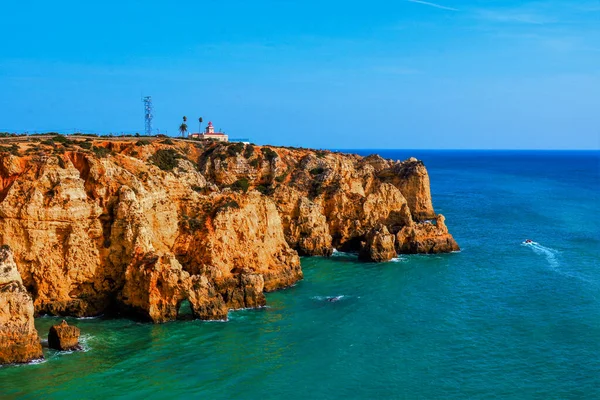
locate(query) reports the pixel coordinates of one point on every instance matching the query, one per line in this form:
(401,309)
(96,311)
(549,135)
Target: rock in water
(64,337)
(426,238)
(19,341)
(379,245)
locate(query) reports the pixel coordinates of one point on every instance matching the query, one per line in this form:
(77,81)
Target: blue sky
(331,74)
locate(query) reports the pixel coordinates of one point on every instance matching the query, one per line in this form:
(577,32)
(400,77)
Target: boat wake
(547,252)
(551,256)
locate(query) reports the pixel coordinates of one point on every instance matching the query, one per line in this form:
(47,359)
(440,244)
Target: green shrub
(281,178)
(167,142)
(85,145)
(143,143)
(209,151)
(12,149)
(198,189)
(269,153)
(254,163)
(101,151)
(60,139)
(165,159)
(235,148)
(320,154)
(248,151)
(241,185)
(265,189)
(317,171)
(227,205)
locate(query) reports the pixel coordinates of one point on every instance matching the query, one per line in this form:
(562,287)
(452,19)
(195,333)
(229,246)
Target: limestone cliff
(19,341)
(142,226)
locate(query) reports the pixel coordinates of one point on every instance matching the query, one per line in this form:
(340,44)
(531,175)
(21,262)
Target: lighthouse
(210,129)
(209,133)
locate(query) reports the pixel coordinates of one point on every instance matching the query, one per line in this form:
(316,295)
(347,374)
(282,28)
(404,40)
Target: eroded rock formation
(64,337)
(19,341)
(141,227)
(379,245)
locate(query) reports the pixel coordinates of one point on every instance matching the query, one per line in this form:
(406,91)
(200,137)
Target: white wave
(337,253)
(32,362)
(84,345)
(84,342)
(94,317)
(399,259)
(328,298)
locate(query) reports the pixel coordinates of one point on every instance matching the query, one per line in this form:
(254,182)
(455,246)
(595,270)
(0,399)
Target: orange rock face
(379,245)
(99,226)
(19,341)
(426,238)
(64,337)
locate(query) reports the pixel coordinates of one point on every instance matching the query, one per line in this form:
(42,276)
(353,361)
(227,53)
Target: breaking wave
(342,254)
(329,298)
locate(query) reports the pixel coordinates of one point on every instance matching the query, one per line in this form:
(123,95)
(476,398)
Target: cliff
(141,226)
(19,341)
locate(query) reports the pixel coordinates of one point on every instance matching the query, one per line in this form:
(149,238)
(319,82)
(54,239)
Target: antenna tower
(148,114)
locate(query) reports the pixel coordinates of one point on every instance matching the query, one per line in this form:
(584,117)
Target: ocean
(500,319)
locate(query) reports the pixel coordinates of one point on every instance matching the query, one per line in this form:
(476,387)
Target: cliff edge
(142,226)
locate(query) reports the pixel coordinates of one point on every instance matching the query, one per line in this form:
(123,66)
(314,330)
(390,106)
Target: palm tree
(183,129)
(200,120)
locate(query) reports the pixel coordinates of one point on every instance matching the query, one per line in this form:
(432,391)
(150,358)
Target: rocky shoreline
(107,226)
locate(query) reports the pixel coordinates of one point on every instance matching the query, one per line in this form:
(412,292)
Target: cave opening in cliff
(184,310)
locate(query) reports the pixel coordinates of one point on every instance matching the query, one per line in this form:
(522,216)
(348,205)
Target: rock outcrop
(379,245)
(64,337)
(426,238)
(19,341)
(101,226)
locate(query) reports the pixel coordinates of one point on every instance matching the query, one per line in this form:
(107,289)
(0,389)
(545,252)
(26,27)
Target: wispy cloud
(427,3)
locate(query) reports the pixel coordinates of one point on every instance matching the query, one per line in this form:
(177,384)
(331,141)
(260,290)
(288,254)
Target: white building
(210,133)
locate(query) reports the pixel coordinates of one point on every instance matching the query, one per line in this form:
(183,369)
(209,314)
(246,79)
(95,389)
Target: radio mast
(148,114)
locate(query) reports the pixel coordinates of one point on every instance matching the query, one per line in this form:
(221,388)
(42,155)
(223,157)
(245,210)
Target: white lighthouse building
(210,133)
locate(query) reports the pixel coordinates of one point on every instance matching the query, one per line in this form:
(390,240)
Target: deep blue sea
(498,320)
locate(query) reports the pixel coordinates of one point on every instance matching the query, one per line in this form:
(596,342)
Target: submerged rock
(64,337)
(19,340)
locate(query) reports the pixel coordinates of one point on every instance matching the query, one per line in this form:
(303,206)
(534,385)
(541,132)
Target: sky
(413,74)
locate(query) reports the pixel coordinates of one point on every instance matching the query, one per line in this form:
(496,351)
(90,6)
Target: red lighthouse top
(209,123)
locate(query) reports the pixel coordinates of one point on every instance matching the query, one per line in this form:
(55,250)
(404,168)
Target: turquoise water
(498,320)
